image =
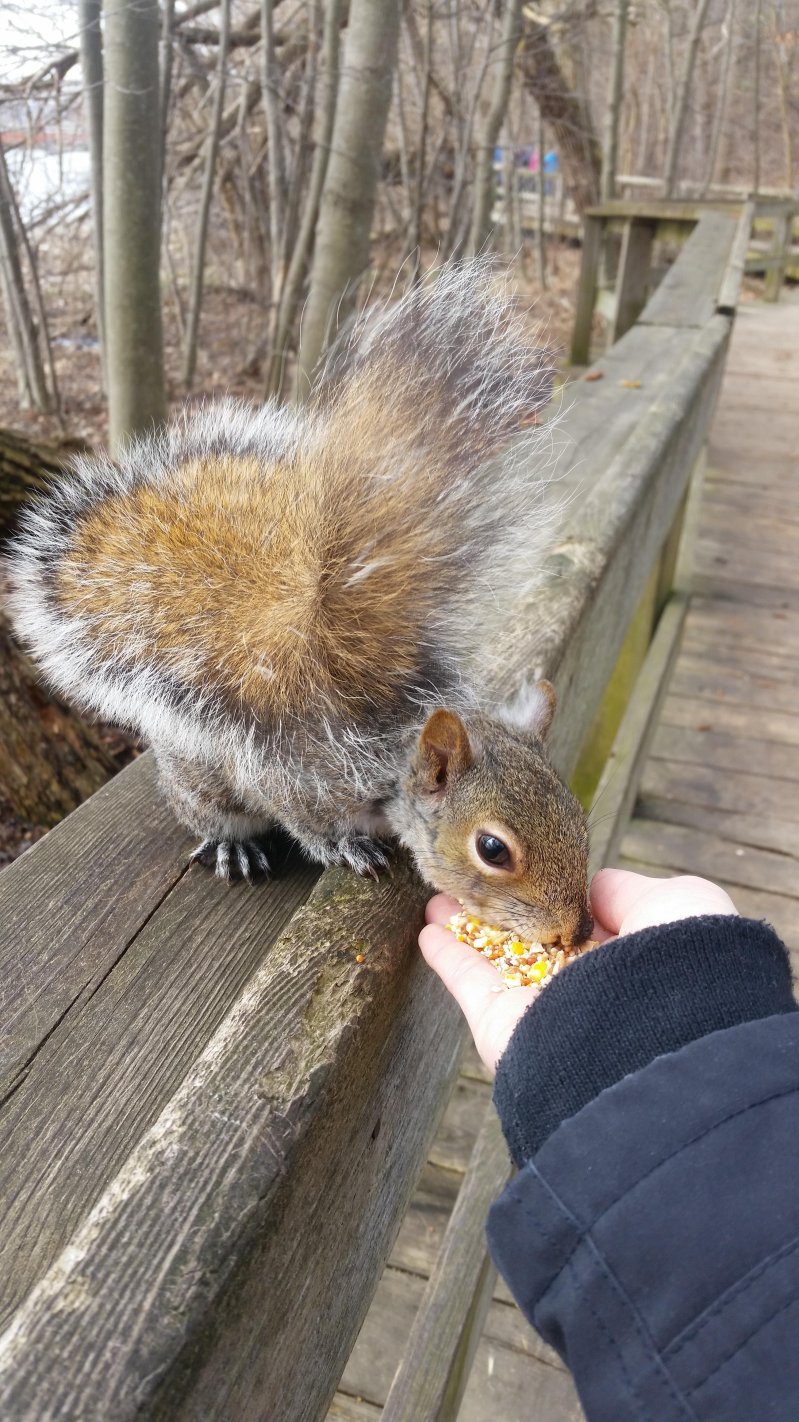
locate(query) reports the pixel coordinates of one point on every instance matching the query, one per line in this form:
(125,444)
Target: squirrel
(287,604)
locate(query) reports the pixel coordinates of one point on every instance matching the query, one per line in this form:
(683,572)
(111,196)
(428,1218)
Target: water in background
(42,179)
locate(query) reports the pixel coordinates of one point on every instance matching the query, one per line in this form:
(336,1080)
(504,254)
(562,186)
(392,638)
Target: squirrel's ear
(444,751)
(531,709)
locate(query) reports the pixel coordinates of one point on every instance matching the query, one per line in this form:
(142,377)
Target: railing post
(780,246)
(632,284)
(586,293)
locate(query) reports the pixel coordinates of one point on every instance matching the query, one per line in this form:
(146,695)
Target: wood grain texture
(605,551)
(70,906)
(510,1359)
(114,1061)
(296,1111)
(431,1379)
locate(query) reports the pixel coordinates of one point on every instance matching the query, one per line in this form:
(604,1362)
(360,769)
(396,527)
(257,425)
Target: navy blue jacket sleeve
(652,1233)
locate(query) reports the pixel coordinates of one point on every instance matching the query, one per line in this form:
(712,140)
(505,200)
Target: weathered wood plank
(730,289)
(632,283)
(510,1358)
(422,1230)
(352,1409)
(618,783)
(72,903)
(455,1140)
(734,790)
(279,1119)
(753,831)
(688,294)
(124,1049)
(696,852)
(725,752)
(586,293)
(729,718)
(430,1381)
(695,676)
(605,551)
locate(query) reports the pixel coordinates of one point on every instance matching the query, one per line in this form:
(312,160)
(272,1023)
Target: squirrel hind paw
(233,859)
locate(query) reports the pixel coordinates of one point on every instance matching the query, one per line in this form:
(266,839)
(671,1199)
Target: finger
(491,1009)
(469,976)
(440,908)
(615,892)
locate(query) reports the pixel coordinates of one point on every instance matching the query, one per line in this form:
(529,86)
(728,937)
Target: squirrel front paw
(233,859)
(358,851)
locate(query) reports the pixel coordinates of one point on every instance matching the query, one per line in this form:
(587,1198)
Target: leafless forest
(255,170)
(194,197)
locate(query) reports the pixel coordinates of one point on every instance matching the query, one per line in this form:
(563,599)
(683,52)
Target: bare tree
(292,286)
(132,218)
(341,252)
(198,277)
(681,102)
(613,110)
(564,110)
(22,328)
(484,186)
(722,93)
(91,59)
(756,99)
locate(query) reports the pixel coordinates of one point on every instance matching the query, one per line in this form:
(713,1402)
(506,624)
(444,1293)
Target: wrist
(613,1011)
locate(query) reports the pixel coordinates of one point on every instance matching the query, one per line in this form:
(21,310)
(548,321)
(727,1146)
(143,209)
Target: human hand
(622,903)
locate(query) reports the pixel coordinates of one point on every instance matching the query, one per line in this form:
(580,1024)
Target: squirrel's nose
(584,928)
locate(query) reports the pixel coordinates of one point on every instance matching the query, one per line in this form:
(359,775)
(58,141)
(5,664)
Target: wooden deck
(715,799)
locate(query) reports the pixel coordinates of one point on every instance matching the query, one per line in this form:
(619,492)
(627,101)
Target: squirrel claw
(366,856)
(232,859)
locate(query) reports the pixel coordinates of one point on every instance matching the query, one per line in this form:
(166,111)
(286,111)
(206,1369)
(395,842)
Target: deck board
(715,799)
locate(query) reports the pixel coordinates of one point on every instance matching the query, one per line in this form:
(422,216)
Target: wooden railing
(619,237)
(216,1100)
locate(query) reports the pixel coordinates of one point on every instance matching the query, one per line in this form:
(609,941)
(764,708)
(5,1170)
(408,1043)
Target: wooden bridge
(216,1104)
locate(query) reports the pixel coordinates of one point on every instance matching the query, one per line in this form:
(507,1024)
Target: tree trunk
(277,180)
(565,112)
(198,278)
(484,185)
(721,100)
(345,214)
(91,58)
(681,105)
(31,381)
(614,103)
(290,293)
(132,219)
(756,104)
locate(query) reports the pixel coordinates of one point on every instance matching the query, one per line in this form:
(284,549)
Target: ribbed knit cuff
(613,1011)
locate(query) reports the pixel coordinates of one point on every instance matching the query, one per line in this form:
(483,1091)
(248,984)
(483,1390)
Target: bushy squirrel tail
(261,567)
(409,417)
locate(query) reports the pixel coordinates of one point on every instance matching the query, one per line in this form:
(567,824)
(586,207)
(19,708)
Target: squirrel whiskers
(283,601)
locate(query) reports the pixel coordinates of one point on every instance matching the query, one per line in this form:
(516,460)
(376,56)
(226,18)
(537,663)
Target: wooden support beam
(586,292)
(432,1377)
(730,289)
(780,246)
(632,285)
(618,784)
(689,292)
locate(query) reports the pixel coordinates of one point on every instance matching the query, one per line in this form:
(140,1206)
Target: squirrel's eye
(493,851)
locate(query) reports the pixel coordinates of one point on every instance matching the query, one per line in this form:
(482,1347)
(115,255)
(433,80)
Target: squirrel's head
(491,823)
